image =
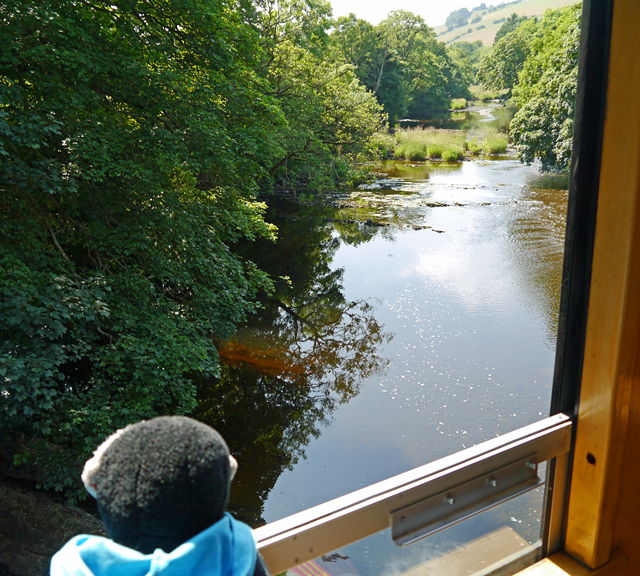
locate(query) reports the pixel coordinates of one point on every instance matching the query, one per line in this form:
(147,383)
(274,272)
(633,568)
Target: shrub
(453,154)
(434,151)
(458,104)
(495,145)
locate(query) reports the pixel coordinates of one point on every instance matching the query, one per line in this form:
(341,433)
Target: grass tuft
(477,93)
(490,142)
(453,154)
(419,144)
(383,144)
(495,145)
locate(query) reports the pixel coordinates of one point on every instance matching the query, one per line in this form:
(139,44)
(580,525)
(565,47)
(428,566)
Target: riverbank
(34,525)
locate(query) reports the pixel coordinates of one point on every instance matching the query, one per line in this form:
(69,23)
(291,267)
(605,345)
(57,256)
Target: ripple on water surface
(420,319)
(472,312)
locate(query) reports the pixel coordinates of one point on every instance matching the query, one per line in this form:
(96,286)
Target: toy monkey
(162,488)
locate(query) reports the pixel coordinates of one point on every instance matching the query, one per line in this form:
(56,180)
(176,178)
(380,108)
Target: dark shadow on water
(550,180)
(285,372)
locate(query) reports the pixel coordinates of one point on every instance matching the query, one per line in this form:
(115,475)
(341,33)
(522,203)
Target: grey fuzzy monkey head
(160,482)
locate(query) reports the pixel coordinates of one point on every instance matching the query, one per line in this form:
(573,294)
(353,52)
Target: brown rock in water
(34,526)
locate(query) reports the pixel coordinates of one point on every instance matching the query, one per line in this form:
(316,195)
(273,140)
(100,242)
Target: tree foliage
(458,18)
(543,126)
(509,26)
(329,116)
(402,63)
(466,57)
(133,139)
(500,68)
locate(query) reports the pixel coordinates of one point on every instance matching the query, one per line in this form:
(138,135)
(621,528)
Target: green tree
(543,126)
(328,115)
(499,69)
(466,57)
(301,22)
(368,49)
(509,26)
(129,152)
(458,18)
(401,61)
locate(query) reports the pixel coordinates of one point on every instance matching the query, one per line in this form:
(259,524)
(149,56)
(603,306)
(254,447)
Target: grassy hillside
(493,20)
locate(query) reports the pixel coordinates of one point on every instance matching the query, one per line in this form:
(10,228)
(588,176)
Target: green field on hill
(490,23)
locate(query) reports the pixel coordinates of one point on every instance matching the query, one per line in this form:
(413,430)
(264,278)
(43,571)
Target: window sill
(561,564)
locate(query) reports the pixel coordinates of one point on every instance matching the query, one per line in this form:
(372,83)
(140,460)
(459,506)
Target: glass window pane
(505,537)
(412,318)
(415,343)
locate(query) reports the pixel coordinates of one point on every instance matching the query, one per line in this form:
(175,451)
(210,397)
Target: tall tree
(466,57)
(509,26)
(543,126)
(401,61)
(131,137)
(500,68)
(458,18)
(328,115)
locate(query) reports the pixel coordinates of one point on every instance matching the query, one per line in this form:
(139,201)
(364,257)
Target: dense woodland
(139,142)
(537,60)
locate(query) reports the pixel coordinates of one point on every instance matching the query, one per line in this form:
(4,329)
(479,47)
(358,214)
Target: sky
(434,12)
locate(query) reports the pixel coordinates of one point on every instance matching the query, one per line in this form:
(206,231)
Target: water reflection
(462,263)
(537,233)
(466,272)
(478,116)
(302,356)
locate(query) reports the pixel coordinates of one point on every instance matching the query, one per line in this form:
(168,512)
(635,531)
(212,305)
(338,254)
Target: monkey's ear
(234,467)
(91,466)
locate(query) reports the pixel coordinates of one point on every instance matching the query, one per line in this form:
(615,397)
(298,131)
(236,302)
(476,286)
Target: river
(417,318)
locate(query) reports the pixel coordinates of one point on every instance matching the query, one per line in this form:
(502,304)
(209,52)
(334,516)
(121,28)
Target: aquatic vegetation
(434,151)
(495,145)
(474,146)
(453,154)
(383,144)
(458,104)
(488,142)
(418,144)
(478,93)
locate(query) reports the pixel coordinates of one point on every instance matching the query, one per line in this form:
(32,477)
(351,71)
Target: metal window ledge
(429,498)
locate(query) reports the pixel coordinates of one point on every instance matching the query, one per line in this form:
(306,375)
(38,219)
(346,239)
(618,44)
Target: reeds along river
(389,346)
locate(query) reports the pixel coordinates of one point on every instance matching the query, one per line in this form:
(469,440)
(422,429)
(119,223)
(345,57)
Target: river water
(416,318)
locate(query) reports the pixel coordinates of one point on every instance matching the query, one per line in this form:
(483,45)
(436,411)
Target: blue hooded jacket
(225,549)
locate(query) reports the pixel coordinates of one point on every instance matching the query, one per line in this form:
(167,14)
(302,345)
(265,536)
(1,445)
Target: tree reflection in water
(304,354)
